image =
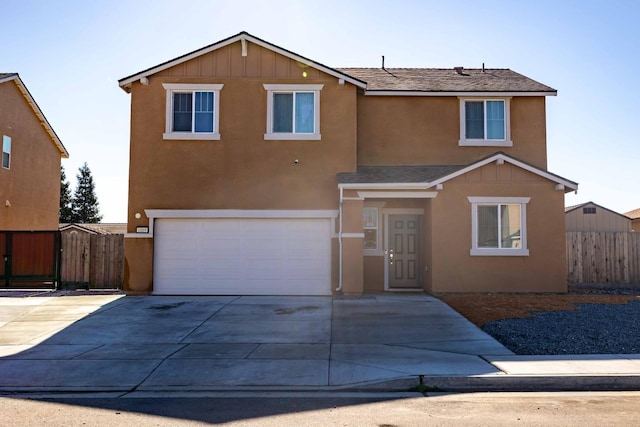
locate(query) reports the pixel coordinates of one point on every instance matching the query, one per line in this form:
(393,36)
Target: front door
(403,252)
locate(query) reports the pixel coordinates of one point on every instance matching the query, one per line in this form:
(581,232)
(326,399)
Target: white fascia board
(38,112)
(505,158)
(398,194)
(238,213)
(386,186)
(423,93)
(242,36)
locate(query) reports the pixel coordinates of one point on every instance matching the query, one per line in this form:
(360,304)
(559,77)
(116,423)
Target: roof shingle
(445,80)
(396,174)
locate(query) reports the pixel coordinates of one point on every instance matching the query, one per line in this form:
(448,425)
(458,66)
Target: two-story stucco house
(257,171)
(31,153)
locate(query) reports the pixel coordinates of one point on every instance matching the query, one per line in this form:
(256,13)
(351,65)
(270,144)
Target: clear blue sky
(70,55)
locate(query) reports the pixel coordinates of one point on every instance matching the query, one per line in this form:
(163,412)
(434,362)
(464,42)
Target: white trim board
(434,93)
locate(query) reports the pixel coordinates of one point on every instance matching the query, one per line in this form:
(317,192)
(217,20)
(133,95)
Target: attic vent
(588,210)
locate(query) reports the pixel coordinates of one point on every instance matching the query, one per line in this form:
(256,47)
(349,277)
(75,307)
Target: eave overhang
(38,112)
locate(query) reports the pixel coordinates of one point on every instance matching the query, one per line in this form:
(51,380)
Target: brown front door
(403,254)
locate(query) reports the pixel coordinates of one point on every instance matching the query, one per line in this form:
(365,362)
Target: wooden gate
(30,259)
(92,261)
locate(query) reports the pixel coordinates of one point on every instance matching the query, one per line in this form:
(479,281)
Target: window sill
(498,252)
(292,136)
(191,136)
(484,143)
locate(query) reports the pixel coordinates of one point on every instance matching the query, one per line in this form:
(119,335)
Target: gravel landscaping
(593,329)
(589,320)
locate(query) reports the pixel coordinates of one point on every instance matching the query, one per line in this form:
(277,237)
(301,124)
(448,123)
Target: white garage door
(242,257)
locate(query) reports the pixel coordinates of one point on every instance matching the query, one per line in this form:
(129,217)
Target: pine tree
(85,202)
(66,213)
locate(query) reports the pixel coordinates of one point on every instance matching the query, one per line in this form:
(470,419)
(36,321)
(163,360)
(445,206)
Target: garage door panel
(242,257)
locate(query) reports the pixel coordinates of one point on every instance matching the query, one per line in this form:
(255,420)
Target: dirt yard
(483,308)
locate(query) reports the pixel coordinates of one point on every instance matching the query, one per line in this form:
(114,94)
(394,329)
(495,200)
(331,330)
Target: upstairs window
(6,152)
(485,122)
(499,226)
(293,111)
(192,111)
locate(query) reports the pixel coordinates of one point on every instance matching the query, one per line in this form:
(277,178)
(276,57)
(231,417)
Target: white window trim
(477,201)
(275,88)
(169,134)
(464,142)
(8,138)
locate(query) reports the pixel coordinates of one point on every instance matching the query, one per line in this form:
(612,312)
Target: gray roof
(445,80)
(396,174)
(3,75)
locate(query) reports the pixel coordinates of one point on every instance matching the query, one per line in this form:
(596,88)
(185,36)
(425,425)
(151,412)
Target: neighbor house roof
(7,77)
(100,228)
(634,214)
(425,177)
(581,205)
(454,80)
(385,81)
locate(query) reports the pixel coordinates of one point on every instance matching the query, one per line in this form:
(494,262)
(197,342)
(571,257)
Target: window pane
(474,119)
(371,239)
(304,112)
(510,226)
(204,112)
(370,217)
(182,112)
(283,112)
(487,226)
(6,151)
(6,144)
(495,119)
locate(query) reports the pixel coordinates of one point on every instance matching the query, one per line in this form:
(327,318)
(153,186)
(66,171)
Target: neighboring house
(635,219)
(592,217)
(100,228)
(31,153)
(254,170)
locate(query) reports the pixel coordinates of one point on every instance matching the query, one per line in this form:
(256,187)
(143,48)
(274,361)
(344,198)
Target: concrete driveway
(118,343)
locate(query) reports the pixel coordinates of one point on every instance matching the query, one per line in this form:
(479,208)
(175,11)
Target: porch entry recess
(403,256)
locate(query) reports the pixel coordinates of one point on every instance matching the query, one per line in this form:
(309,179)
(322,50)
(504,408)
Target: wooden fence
(603,257)
(96,261)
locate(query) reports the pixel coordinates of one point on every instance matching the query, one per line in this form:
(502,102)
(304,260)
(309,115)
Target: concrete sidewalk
(113,343)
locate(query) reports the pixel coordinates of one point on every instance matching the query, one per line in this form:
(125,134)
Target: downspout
(339,288)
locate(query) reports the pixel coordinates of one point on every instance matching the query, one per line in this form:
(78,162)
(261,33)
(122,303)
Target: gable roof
(581,205)
(243,36)
(438,81)
(7,77)
(425,177)
(386,81)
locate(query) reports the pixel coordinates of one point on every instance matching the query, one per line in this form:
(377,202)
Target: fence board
(95,260)
(603,257)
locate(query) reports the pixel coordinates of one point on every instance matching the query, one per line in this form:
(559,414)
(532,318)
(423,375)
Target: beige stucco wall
(446,241)
(453,269)
(32,184)
(241,170)
(400,130)
(602,220)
